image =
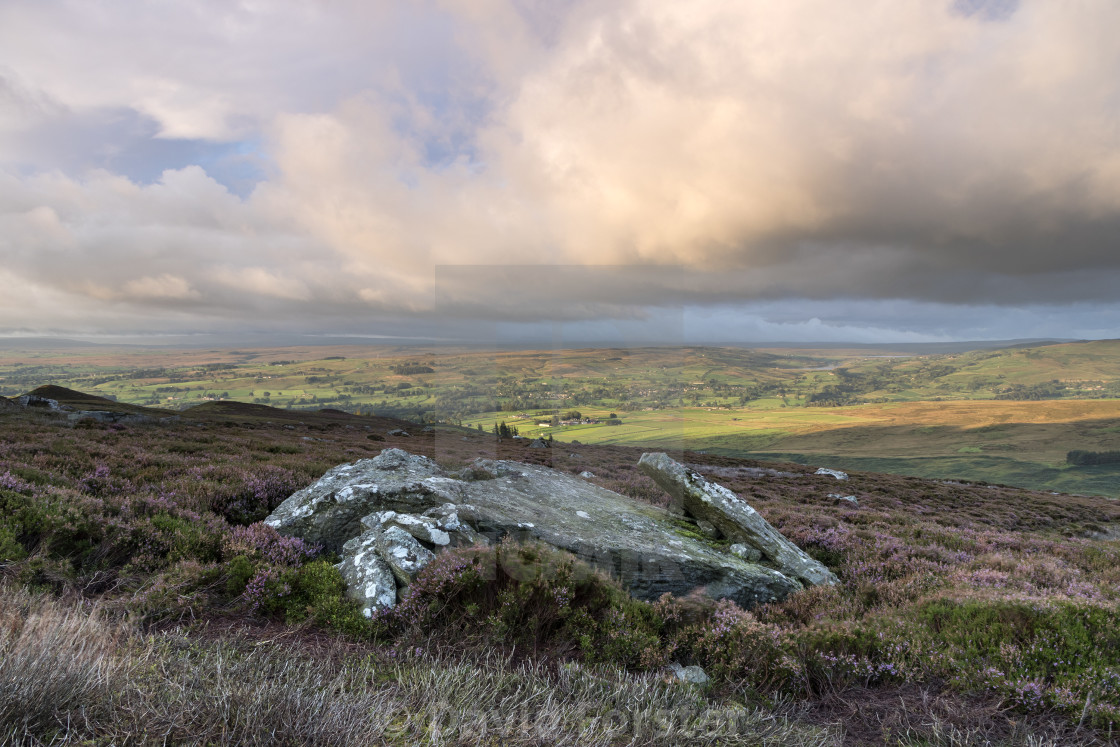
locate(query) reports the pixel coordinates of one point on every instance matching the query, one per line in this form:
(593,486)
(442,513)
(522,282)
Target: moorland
(143,601)
(1007,415)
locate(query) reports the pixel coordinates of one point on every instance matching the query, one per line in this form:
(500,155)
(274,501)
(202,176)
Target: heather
(999,601)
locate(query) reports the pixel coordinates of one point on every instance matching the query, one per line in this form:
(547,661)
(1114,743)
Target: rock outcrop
(34,400)
(370,510)
(734,518)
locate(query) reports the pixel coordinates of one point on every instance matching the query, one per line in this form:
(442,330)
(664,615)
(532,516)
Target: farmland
(992,415)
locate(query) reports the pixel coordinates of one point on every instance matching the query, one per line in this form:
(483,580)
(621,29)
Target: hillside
(983,609)
(82,401)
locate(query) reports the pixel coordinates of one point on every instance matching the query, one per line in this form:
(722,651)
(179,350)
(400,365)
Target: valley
(1004,415)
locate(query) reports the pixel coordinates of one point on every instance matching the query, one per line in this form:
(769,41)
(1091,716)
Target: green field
(1004,415)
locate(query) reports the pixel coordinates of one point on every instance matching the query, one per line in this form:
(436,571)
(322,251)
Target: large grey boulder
(639,544)
(732,516)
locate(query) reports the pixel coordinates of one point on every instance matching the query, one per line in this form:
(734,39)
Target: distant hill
(44,343)
(83,401)
(911,348)
(68,396)
(233,411)
(221,411)
(240,409)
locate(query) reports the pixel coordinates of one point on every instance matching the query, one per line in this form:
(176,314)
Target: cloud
(264,282)
(166,286)
(559,161)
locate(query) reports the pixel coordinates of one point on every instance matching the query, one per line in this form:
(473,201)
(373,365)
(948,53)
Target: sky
(702,171)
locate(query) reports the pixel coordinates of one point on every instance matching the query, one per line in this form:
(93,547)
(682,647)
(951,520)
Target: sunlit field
(1005,416)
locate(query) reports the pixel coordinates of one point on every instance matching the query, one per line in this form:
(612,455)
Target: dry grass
(69,676)
(54,660)
(914,716)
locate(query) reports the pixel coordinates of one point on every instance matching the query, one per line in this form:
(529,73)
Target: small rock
(375,437)
(834,472)
(537,443)
(586,475)
(399,433)
(849,498)
(692,674)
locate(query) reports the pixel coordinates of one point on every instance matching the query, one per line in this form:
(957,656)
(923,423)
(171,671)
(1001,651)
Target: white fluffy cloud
(720,153)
